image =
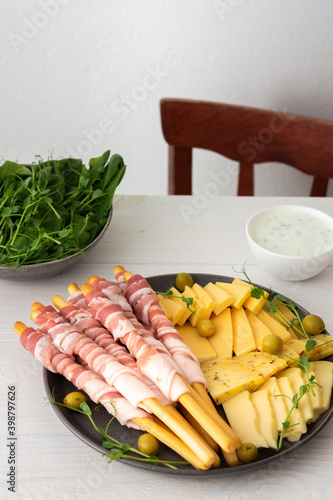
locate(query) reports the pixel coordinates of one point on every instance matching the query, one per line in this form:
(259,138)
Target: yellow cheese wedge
(297,422)
(197,306)
(199,345)
(228,377)
(239,292)
(222,339)
(221,298)
(259,329)
(278,402)
(251,303)
(288,314)
(176,297)
(267,426)
(297,345)
(296,381)
(243,340)
(244,419)
(173,311)
(274,325)
(205,298)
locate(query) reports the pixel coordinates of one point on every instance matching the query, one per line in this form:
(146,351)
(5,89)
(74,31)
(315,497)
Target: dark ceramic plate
(80,425)
(48,269)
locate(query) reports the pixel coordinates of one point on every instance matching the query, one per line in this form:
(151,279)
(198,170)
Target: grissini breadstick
(100,392)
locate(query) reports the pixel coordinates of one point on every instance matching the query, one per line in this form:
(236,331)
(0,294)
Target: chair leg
(245,180)
(180,171)
(319,187)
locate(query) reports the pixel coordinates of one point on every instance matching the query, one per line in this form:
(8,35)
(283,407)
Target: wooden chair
(245,135)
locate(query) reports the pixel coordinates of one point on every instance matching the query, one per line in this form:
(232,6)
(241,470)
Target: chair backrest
(248,136)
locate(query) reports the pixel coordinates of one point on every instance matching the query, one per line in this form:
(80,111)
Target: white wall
(79,77)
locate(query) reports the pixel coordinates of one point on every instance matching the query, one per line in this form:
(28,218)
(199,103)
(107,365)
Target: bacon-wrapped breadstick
(111,315)
(42,348)
(71,340)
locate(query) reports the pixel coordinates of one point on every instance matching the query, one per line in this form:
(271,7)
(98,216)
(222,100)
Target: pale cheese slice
(296,381)
(324,347)
(277,402)
(199,345)
(267,426)
(290,355)
(314,395)
(274,325)
(240,293)
(244,419)
(243,340)
(221,298)
(222,339)
(297,422)
(298,345)
(228,377)
(252,304)
(324,377)
(205,298)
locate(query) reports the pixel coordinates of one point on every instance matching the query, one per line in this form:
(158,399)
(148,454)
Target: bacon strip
(42,348)
(149,361)
(92,328)
(145,303)
(71,340)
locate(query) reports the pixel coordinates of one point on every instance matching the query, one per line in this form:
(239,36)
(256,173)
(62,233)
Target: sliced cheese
(197,306)
(243,341)
(324,377)
(252,304)
(222,339)
(176,297)
(314,395)
(297,422)
(259,329)
(289,315)
(296,381)
(240,293)
(228,377)
(277,402)
(274,325)
(244,419)
(199,345)
(221,298)
(290,355)
(267,422)
(324,347)
(205,298)
(297,345)
(173,311)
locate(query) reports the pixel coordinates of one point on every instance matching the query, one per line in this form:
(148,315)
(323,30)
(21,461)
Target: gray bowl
(47,269)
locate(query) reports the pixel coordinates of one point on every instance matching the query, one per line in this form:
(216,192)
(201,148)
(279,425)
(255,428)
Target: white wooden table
(150,235)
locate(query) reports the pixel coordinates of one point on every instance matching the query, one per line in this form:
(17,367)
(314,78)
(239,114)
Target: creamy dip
(293,232)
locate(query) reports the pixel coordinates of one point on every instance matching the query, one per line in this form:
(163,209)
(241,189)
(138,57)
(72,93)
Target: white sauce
(292,232)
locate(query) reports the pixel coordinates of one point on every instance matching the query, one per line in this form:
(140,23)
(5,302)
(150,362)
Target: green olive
(272,343)
(247,453)
(206,327)
(148,444)
(313,324)
(74,399)
(182,280)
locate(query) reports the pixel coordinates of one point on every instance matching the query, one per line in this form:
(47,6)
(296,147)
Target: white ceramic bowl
(276,250)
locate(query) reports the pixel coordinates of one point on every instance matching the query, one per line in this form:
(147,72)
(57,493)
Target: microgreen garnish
(118,449)
(188,300)
(54,208)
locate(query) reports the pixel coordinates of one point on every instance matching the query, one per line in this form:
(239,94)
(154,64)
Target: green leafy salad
(55,208)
